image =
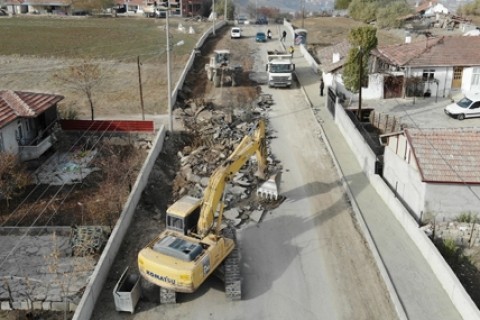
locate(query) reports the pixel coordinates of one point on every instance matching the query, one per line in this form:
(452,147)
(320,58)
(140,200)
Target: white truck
(280,69)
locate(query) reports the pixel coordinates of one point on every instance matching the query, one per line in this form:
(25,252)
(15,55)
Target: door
(457,77)
(474,110)
(392,87)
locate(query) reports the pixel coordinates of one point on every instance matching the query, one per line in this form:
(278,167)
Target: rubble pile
(217,132)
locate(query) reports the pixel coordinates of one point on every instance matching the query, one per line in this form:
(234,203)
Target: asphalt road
(306,259)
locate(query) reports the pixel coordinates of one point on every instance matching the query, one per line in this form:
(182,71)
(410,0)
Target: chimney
(336,57)
(408,37)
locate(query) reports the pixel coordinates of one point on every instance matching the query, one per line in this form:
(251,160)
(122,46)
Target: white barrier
(94,287)
(449,281)
(447,278)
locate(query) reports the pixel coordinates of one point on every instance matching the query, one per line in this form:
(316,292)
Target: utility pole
(303,14)
(140,85)
(225,11)
(360,59)
(169,75)
(213,17)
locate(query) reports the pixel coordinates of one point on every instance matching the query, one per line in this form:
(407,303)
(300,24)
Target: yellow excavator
(193,245)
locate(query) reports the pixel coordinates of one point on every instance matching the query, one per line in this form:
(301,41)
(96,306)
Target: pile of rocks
(217,133)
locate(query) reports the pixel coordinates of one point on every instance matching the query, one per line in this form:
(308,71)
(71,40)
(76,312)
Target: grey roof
(439,51)
(447,155)
(326,56)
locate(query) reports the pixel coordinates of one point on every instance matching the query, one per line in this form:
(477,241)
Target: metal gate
(332,97)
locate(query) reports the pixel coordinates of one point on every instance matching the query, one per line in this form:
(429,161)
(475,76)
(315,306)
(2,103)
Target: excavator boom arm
(249,145)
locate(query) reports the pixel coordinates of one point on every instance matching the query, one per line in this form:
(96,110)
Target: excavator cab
(182,216)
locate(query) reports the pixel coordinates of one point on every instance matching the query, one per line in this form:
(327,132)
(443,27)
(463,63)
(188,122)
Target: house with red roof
(434,66)
(435,172)
(26,122)
(431,67)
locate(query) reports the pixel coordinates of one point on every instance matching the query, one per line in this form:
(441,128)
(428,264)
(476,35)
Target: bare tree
(84,78)
(13,176)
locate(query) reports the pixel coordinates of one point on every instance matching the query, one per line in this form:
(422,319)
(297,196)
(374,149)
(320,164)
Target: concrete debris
(66,168)
(217,133)
(231,214)
(256,215)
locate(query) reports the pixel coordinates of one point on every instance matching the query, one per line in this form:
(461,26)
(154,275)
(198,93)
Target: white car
(467,107)
(235,33)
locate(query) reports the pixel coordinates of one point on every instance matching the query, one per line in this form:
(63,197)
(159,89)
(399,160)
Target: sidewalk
(416,286)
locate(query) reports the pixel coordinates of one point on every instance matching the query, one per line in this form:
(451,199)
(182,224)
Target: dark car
(261,37)
(119,8)
(261,21)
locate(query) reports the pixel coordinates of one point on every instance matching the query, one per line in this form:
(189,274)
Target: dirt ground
(160,182)
(158,194)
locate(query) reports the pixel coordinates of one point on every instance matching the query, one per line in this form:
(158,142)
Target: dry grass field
(40,47)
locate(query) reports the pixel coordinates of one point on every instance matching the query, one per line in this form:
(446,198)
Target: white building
(435,172)
(26,122)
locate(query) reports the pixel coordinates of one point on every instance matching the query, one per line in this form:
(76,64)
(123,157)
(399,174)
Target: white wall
(405,180)
(450,200)
(102,269)
(365,156)
(449,281)
(467,81)
(101,272)
(444,76)
(375,87)
(9,139)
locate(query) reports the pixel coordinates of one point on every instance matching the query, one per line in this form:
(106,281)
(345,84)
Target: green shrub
(466,217)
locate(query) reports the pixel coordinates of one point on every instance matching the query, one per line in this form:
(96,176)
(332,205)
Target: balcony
(34,150)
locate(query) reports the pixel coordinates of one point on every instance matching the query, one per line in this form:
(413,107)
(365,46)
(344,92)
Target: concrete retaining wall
(365,156)
(449,281)
(99,276)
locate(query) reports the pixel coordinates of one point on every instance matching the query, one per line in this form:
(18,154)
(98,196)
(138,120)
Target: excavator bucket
(269,189)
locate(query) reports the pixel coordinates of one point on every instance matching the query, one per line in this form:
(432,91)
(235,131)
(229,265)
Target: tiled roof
(438,52)
(446,155)
(18,104)
(425,5)
(326,56)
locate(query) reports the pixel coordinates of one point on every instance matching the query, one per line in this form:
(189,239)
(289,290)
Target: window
(475,105)
(175,223)
(476,77)
(428,75)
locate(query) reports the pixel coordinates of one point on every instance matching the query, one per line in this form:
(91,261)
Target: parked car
(119,8)
(467,107)
(261,20)
(235,33)
(261,37)
(242,20)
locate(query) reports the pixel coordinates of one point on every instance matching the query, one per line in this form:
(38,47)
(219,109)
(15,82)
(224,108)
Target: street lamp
(169,76)
(169,72)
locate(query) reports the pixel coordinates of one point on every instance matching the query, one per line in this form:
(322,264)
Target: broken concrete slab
(256,215)
(231,213)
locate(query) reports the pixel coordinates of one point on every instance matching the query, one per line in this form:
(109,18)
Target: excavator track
(167,296)
(232,277)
